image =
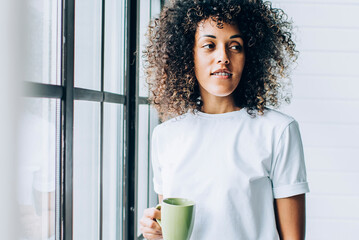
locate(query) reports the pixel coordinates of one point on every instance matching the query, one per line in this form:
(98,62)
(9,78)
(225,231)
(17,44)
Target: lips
(224,72)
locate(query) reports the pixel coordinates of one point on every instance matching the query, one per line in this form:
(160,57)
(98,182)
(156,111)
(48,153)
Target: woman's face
(219,58)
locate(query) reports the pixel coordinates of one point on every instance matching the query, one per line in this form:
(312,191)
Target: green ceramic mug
(177,218)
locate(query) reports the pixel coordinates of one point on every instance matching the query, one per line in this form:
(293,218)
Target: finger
(152,213)
(152,236)
(149,223)
(146,230)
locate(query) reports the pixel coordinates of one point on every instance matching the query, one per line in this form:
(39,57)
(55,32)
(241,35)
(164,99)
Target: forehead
(208,26)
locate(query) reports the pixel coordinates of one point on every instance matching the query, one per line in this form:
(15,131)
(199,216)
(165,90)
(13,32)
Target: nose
(222,57)
(224,62)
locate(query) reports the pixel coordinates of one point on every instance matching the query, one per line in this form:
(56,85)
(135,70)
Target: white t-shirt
(233,166)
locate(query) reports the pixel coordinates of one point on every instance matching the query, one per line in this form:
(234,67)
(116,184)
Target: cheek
(242,62)
(201,64)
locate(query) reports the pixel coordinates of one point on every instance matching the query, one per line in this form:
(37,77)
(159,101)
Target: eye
(208,46)
(236,47)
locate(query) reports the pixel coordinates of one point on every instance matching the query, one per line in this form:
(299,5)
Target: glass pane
(148,9)
(38,157)
(88,44)
(143,160)
(154,121)
(155,8)
(43,43)
(86,167)
(114,46)
(112,171)
(145,8)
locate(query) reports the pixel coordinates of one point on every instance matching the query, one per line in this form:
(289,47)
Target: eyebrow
(212,36)
(236,36)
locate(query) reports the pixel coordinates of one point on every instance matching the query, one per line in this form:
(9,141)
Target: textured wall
(326,104)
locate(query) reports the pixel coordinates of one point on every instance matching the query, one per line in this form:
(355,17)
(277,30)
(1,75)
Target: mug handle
(158,207)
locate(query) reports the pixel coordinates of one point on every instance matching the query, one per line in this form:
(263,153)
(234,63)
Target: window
(147,120)
(84,165)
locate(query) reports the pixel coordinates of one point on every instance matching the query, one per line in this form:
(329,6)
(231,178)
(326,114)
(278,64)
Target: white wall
(326,104)
(9,34)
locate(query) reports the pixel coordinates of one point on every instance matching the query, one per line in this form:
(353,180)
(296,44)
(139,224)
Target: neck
(216,105)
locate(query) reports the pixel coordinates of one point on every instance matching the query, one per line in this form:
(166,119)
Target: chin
(222,93)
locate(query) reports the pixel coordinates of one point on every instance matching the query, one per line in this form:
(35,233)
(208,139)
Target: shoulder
(271,119)
(173,124)
(276,117)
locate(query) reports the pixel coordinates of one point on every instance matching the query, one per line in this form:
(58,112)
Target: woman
(216,66)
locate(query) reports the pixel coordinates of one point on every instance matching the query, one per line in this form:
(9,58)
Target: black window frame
(67,93)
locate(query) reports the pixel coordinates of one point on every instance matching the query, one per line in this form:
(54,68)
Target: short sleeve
(288,171)
(156,167)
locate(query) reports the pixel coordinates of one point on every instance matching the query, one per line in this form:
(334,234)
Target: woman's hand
(149,227)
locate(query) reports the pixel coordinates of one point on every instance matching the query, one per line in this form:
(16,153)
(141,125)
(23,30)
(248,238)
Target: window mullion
(129,219)
(102,117)
(67,107)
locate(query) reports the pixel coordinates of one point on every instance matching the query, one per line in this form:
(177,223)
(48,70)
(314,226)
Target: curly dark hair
(169,59)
